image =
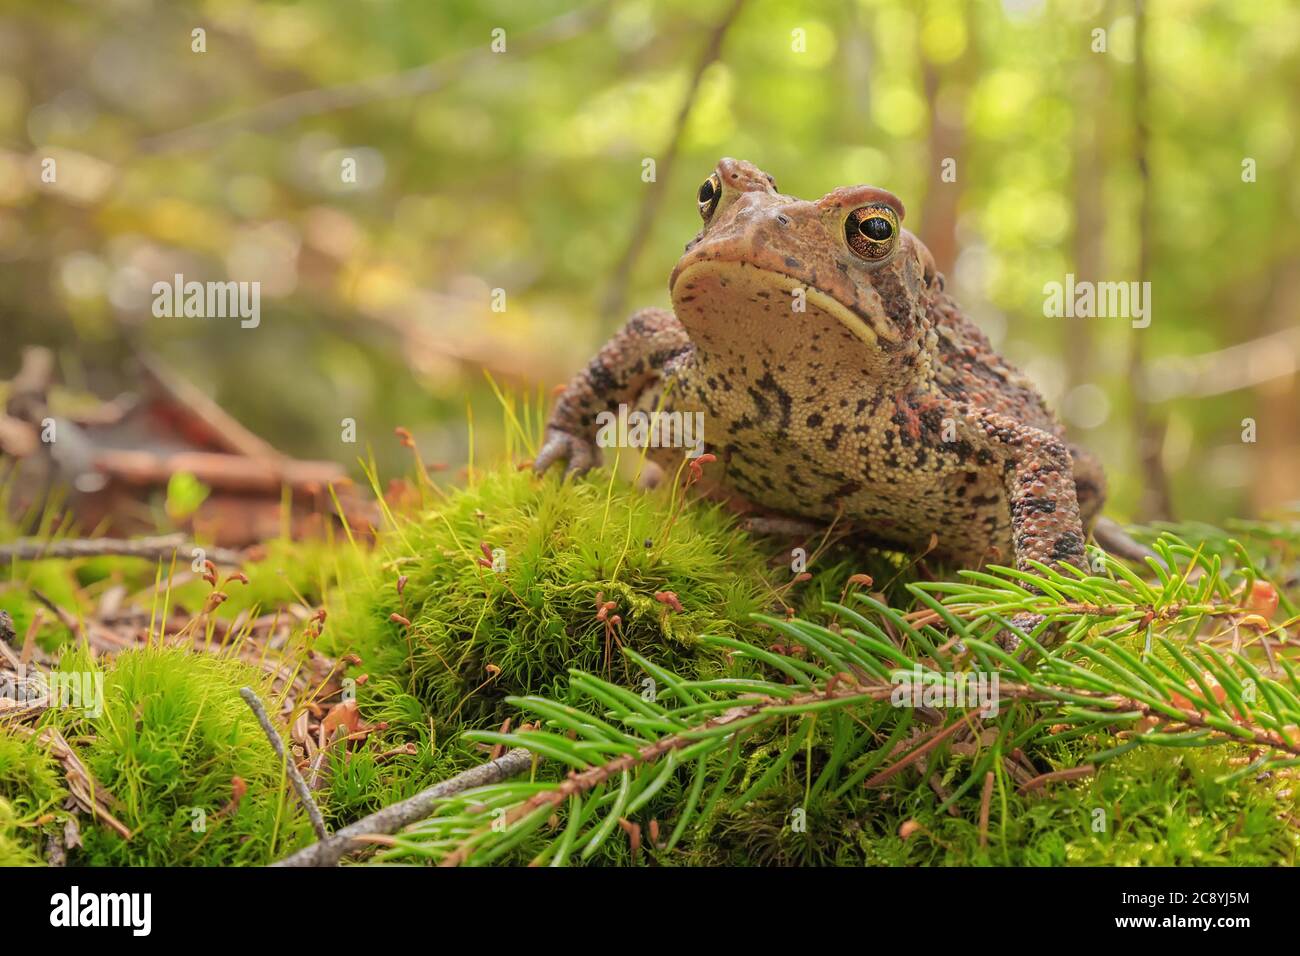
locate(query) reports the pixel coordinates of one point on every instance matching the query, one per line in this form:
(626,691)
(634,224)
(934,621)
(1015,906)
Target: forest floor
(690,694)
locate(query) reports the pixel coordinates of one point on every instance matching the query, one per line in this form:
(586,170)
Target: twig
(32,549)
(313,811)
(943,793)
(85,791)
(96,633)
(1074,773)
(1244,365)
(420,79)
(221,471)
(201,413)
(390,819)
(934,740)
(29,639)
(654,197)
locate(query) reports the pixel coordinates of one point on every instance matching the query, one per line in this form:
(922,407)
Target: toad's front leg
(619,373)
(1038,475)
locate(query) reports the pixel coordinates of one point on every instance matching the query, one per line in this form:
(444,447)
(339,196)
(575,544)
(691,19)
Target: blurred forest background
(1169,157)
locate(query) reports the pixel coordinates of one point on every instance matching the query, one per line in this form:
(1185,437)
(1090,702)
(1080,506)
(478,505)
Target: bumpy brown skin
(837,386)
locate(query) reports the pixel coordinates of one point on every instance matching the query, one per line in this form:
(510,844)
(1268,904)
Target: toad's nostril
(783,219)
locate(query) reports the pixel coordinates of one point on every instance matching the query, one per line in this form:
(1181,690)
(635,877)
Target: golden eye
(708,196)
(872,231)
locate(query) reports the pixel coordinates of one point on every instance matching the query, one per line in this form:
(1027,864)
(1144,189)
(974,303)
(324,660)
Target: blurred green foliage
(522,171)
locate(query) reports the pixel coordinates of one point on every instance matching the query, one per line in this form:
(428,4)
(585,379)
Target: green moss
(56,581)
(16,848)
(29,778)
(287,572)
(1154,807)
(173,736)
(364,779)
(1148,807)
(478,634)
(30,789)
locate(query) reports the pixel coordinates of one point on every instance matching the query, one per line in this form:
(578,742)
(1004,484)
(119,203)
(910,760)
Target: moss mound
(501,584)
(173,737)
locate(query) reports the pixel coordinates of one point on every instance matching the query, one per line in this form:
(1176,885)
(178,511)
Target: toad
(837,379)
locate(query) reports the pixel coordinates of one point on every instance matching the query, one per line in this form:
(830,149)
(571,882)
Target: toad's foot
(579,454)
(621,373)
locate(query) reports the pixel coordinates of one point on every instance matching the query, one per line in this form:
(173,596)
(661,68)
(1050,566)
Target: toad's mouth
(731,287)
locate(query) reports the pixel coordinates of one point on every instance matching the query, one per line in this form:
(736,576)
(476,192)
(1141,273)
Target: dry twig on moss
(162,546)
(392,818)
(300,785)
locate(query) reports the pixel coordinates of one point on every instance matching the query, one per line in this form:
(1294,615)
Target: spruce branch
(735,718)
(1133,670)
(1170,704)
(368,830)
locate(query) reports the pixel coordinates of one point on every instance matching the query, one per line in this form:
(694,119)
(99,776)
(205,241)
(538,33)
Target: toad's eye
(872,231)
(708,196)
(877,228)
